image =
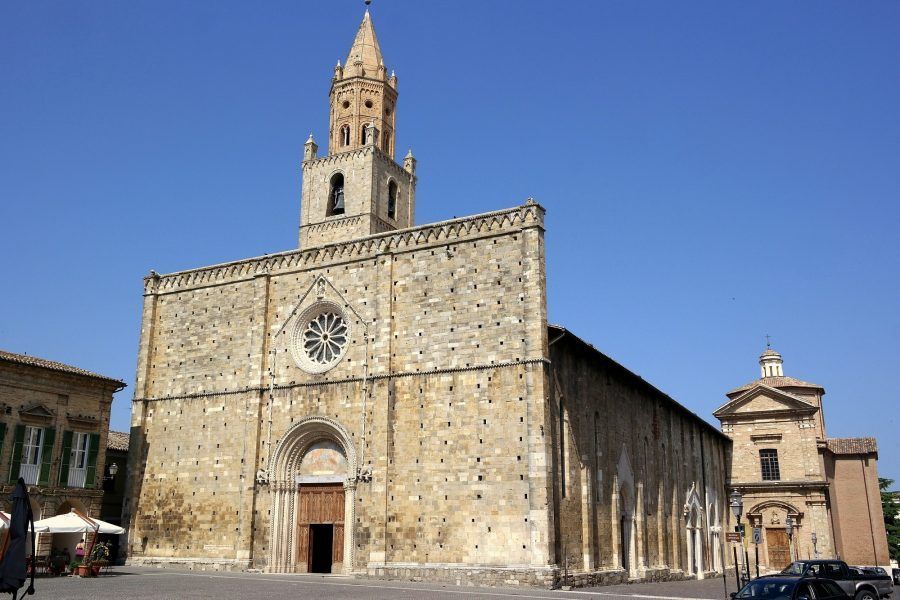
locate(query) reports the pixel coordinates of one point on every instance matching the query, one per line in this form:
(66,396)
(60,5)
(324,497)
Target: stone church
(388,398)
(786,467)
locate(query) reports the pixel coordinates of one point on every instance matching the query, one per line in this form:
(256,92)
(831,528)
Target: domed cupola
(770,363)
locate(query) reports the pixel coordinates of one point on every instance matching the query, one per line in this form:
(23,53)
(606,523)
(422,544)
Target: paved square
(158,584)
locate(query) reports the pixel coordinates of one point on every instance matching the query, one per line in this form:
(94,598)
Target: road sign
(757,535)
(732,536)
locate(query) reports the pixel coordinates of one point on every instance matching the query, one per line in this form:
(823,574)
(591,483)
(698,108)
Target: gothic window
(769,463)
(362,135)
(392,200)
(386,143)
(336,195)
(345,135)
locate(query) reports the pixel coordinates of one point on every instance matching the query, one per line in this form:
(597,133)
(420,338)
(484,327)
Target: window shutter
(46,455)
(65,458)
(16,460)
(93,449)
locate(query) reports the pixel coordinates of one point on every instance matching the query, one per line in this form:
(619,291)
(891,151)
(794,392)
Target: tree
(890,505)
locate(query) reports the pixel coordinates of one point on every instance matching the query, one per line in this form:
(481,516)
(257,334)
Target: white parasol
(4,524)
(75,522)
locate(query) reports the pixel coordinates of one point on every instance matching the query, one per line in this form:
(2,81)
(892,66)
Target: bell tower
(357,189)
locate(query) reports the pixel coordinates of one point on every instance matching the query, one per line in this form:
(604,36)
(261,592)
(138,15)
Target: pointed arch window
(345,135)
(392,200)
(336,195)
(386,143)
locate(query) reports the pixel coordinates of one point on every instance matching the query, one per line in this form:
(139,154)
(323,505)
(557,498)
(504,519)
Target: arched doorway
(314,484)
(693,512)
(625,487)
(60,543)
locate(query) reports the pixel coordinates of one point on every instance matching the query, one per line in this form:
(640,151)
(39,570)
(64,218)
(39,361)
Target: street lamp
(736,501)
(113,469)
(789,529)
(737,505)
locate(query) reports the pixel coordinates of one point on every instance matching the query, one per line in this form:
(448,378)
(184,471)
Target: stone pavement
(143,583)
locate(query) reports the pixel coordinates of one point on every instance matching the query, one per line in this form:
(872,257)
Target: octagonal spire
(365,56)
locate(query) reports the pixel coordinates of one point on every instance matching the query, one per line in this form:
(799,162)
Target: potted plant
(78,568)
(99,557)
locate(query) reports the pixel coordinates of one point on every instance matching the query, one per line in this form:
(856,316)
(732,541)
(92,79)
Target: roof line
(43,363)
(643,382)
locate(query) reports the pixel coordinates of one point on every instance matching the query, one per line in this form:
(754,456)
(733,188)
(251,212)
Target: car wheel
(865,595)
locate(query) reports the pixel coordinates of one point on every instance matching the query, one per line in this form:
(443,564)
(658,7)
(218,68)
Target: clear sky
(712,171)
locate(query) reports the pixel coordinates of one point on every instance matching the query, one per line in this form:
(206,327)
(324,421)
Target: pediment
(37,411)
(764,399)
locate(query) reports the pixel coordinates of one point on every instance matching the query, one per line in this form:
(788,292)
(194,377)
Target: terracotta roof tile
(117,440)
(776,382)
(865,445)
(34,361)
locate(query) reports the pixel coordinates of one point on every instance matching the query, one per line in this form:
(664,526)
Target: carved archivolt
(285,461)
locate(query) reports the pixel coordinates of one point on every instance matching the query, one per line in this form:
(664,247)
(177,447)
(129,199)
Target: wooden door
(779,548)
(319,504)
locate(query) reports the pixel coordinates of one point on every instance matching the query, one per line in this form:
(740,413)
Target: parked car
(790,587)
(856,584)
(896,574)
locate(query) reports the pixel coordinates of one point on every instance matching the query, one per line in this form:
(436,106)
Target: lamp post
(789,529)
(815,539)
(736,501)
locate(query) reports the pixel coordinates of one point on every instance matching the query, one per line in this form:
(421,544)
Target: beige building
(53,430)
(389,399)
(786,467)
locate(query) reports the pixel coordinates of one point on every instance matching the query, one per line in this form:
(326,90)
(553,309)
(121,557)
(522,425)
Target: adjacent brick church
(390,400)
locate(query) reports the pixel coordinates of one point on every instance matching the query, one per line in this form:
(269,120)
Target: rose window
(320,338)
(324,338)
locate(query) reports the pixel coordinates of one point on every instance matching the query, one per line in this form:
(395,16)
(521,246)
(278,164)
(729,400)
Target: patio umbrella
(4,523)
(75,522)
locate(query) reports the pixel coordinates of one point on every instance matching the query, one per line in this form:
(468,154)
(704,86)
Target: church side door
(779,548)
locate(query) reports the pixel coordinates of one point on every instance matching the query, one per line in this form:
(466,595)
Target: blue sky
(712,171)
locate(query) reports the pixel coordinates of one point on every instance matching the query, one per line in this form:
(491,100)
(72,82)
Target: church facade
(390,400)
(789,471)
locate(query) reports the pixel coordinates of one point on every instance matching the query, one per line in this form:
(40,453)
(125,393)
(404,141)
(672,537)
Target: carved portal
(312,475)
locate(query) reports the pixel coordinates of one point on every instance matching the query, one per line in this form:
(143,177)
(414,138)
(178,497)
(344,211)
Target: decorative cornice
(528,215)
(287,386)
(777,485)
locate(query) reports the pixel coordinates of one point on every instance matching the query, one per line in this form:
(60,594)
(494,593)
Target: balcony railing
(76,477)
(29,473)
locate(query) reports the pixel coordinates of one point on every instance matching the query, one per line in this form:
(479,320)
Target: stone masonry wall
(619,432)
(447,325)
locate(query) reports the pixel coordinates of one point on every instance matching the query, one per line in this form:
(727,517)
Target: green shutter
(93,449)
(64,459)
(16,460)
(46,455)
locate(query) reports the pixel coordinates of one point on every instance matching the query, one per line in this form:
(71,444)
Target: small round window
(320,339)
(369,104)
(346,104)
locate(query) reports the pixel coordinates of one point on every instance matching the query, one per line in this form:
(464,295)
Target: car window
(803,592)
(767,589)
(823,589)
(832,570)
(835,589)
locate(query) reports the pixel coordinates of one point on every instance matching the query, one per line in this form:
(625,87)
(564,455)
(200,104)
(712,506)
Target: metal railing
(29,473)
